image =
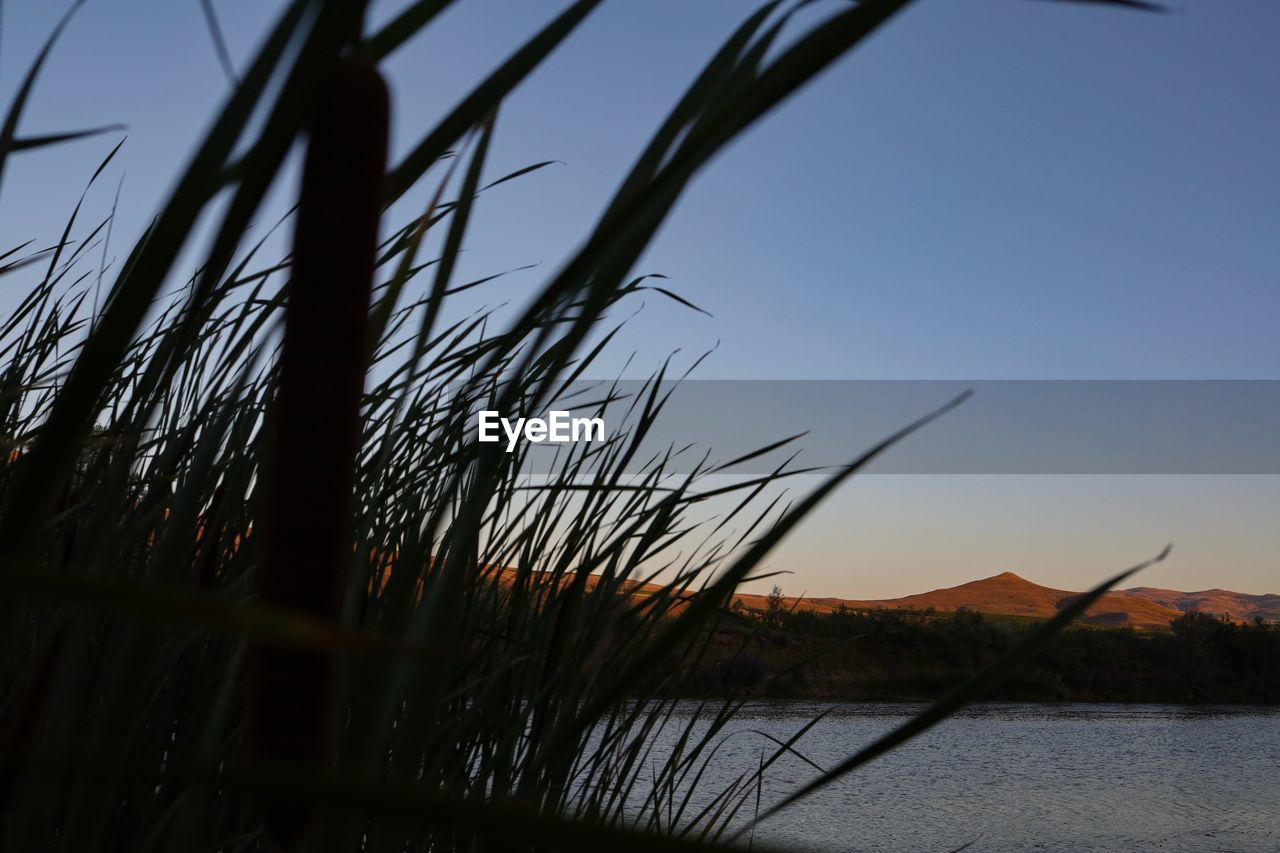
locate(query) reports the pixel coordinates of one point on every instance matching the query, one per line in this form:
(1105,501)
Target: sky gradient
(986,189)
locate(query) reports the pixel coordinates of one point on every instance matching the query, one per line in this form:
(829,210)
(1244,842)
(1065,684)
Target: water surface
(1025,777)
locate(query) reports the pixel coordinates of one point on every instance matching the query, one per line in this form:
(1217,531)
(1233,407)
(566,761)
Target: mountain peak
(1009,576)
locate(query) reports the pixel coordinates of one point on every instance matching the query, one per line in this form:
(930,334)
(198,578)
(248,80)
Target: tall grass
(245,608)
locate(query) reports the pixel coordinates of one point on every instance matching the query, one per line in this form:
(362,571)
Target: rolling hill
(1009,594)
(1237,605)
(1012,595)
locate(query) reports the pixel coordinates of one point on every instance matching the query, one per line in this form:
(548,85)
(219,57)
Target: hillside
(1237,605)
(1012,595)
(1009,594)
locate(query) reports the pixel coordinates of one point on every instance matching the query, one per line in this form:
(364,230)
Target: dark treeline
(894,655)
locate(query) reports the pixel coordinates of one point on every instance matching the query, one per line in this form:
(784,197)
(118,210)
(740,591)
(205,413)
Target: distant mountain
(1219,602)
(1009,594)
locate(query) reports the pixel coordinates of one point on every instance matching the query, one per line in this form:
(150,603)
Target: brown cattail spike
(307,523)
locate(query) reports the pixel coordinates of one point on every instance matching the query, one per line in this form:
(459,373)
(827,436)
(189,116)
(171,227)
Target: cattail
(311,472)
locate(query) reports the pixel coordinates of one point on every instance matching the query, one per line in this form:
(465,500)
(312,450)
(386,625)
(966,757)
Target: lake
(1023,777)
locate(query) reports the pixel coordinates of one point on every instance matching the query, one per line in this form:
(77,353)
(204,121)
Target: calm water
(1027,777)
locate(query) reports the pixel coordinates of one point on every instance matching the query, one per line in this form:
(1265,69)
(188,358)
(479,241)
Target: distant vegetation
(898,655)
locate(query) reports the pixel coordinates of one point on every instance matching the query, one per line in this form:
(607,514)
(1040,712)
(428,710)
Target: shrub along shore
(897,655)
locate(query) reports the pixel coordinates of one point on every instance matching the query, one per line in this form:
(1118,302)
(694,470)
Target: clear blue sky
(987,189)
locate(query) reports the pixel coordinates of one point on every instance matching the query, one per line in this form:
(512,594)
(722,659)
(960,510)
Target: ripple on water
(1007,776)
